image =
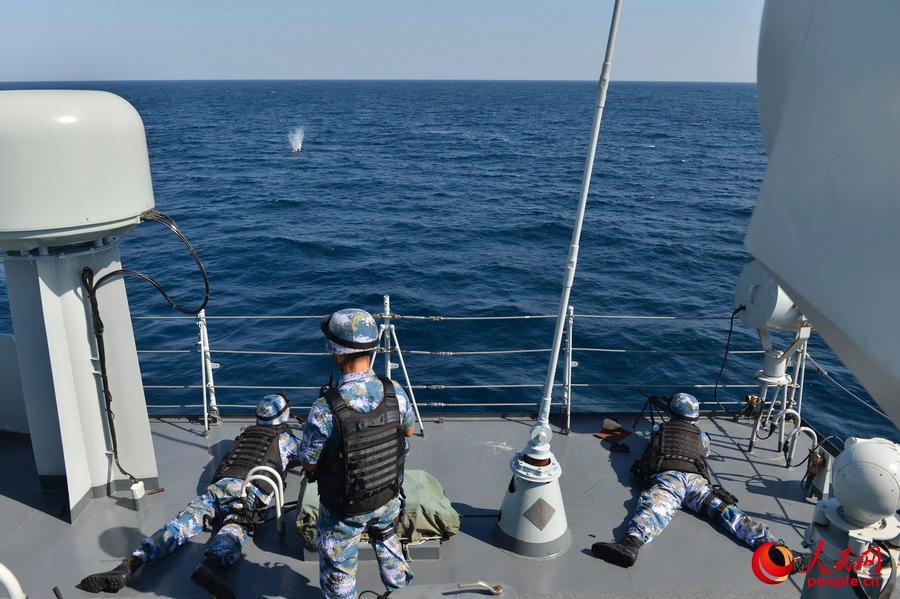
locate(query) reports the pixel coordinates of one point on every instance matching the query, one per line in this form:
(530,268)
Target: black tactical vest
(364,470)
(256,446)
(676,446)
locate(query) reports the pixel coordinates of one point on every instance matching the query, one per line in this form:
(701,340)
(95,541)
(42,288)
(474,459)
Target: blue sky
(660,40)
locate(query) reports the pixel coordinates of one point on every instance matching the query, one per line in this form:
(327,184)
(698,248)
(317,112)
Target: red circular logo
(772,563)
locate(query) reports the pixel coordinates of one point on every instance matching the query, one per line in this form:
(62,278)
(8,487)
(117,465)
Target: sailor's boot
(210,575)
(114,580)
(799,562)
(621,554)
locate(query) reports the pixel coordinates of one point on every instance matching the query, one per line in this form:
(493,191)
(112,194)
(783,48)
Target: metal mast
(533,499)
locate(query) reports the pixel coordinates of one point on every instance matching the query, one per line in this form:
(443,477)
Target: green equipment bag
(427,513)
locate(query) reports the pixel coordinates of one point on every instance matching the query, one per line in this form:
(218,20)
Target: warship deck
(470,455)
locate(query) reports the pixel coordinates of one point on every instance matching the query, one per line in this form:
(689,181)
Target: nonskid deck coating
(471,458)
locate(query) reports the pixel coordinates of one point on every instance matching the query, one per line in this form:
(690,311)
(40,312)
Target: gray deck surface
(470,457)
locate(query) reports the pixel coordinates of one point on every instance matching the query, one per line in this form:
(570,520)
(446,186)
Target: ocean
(457,199)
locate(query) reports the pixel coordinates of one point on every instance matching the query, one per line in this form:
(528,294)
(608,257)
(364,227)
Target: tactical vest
(676,446)
(256,446)
(364,470)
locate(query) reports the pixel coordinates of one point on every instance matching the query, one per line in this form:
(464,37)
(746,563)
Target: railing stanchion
(387,339)
(203,390)
(568,364)
(208,367)
(392,333)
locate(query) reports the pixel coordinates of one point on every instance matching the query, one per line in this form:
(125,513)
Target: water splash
(296,139)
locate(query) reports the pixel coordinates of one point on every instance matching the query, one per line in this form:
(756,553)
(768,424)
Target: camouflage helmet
(351,331)
(273,410)
(684,406)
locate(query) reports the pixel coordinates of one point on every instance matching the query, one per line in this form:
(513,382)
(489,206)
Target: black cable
(725,359)
(91,286)
(166,221)
(772,429)
(87,280)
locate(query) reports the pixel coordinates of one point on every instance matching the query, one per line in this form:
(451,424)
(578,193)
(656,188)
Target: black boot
(114,580)
(799,562)
(621,554)
(210,575)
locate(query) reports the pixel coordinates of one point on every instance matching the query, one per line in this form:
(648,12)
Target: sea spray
(296,139)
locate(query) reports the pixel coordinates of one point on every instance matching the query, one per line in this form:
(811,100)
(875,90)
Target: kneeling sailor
(354,444)
(269,443)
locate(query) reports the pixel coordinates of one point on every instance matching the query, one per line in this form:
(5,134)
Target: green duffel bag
(427,514)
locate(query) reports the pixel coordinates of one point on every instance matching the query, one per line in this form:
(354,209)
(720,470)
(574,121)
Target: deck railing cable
(438,318)
(567,386)
(821,370)
(490,352)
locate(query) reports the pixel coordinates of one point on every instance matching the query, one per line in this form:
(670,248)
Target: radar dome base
(74,173)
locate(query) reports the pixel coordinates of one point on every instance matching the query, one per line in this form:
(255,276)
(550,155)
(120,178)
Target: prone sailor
(675,472)
(268,443)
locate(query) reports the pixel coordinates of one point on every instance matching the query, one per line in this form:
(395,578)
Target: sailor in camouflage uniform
(675,468)
(221,504)
(359,400)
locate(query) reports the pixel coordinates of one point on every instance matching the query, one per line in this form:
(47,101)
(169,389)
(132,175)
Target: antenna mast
(527,524)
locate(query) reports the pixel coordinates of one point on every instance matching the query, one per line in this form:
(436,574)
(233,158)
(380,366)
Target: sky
(659,40)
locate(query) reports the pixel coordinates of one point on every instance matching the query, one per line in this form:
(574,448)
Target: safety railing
(390,350)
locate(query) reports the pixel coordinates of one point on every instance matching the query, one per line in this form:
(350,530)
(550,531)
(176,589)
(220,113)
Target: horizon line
(366,79)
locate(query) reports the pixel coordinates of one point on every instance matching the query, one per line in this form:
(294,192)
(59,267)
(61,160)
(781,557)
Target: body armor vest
(676,446)
(256,446)
(364,469)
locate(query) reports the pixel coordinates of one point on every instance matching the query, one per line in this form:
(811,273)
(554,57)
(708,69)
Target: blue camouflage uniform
(221,504)
(337,538)
(672,489)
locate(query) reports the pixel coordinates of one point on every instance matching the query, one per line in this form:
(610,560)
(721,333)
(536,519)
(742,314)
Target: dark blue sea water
(456,198)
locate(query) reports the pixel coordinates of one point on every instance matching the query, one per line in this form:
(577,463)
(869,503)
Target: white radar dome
(767,304)
(867,480)
(73,167)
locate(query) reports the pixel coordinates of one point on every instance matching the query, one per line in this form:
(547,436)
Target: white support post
(387,340)
(409,388)
(774,375)
(567,373)
(210,408)
(203,390)
(210,379)
(787,407)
